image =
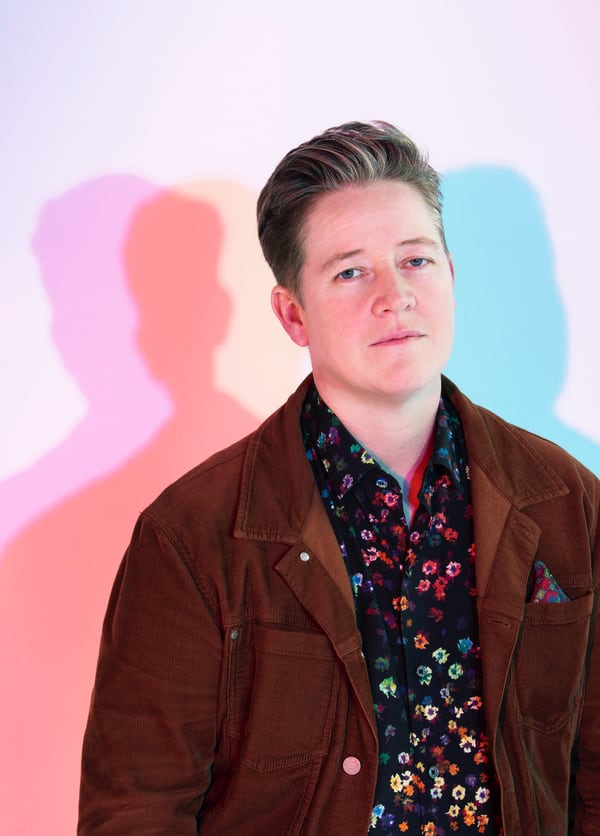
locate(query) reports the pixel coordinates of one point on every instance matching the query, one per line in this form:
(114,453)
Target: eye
(418,261)
(350,273)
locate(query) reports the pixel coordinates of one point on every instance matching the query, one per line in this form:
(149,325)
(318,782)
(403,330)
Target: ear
(290,313)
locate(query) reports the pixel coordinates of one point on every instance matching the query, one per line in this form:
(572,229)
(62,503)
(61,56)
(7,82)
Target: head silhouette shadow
(511,336)
(171,257)
(78,242)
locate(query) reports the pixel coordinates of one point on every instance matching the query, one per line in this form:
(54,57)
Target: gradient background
(136,335)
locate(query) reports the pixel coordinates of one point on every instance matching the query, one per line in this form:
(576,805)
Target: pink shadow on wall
(78,243)
(56,576)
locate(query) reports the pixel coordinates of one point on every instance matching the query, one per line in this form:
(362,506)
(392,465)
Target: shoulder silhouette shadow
(56,576)
(511,337)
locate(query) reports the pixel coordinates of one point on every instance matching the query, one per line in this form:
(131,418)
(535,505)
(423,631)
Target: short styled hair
(353,154)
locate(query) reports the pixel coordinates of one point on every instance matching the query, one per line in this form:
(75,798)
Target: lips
(398,337)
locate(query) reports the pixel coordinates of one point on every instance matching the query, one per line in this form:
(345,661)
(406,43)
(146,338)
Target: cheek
(443,317)
(318,329)
(449,327)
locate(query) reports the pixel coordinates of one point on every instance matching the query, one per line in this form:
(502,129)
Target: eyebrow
(430,242)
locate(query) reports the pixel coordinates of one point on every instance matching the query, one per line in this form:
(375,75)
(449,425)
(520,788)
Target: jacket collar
(502,452)
(504,466)
(277,476)
(508,477)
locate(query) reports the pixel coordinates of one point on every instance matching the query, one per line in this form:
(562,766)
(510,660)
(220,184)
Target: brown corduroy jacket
(231,688)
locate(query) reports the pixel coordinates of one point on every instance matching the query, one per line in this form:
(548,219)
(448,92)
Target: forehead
(383,207)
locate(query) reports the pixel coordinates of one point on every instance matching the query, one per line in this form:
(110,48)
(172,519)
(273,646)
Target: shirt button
(304,556)
(234,634)
(434,772)
(381,483)
(351,766)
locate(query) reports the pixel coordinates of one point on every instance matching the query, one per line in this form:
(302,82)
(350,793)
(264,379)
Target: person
(378,612)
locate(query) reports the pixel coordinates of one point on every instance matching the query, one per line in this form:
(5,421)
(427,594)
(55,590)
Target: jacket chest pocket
(550,661)
(281,694)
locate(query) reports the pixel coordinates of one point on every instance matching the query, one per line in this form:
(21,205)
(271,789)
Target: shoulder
(516,456)
(213,490)
(209,488)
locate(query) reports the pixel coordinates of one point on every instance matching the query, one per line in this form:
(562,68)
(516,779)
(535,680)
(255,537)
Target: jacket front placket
(314,570)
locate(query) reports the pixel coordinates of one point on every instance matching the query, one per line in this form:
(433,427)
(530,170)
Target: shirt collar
(345,461)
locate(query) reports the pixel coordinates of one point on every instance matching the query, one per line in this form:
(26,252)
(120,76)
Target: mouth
(399,337)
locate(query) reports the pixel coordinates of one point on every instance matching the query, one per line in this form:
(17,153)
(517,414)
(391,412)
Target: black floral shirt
(414,593)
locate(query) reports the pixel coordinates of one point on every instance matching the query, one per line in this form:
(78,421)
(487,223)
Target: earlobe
(290,313)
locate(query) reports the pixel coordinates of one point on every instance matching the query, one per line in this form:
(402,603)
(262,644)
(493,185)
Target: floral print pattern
(414,593)
(545,587)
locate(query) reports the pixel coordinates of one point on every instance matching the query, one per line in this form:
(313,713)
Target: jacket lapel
(508,477)
(314,570)
(506,543)
(279,502)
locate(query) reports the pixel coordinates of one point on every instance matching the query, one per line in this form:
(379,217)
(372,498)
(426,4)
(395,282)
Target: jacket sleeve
(587,761)
(152,727)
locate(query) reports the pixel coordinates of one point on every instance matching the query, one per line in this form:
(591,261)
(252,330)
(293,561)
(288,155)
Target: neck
(398,432)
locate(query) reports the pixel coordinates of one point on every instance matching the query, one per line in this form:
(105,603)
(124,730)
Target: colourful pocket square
(545,586)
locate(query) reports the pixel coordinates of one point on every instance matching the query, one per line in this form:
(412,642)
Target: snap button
(234,634)
(304,556)
(351,766)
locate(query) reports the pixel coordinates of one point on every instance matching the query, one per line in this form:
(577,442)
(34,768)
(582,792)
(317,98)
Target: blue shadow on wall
(511,333)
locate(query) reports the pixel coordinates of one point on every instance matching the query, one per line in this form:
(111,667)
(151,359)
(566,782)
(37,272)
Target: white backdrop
(106,107)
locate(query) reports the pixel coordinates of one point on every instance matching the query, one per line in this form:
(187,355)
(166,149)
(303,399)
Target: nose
(393,292)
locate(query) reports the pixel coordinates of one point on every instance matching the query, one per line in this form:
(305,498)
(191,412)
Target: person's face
(377,309)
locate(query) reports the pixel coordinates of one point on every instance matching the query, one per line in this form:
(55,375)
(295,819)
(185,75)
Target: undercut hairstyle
(353,154)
